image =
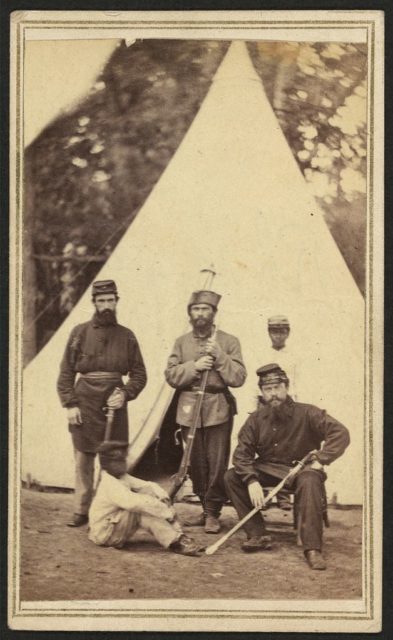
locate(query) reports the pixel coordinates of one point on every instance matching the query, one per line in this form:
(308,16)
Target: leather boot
(195,521)
(315,560)
(78,519)
(257,543)
(212,524)
(186,546)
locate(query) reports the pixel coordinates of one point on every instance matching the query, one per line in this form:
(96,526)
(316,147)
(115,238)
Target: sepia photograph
(196,321)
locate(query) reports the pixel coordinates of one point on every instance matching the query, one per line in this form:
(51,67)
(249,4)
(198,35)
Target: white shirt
(116,495)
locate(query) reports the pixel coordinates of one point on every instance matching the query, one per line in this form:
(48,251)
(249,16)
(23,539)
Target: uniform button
(275,444)
(274,429)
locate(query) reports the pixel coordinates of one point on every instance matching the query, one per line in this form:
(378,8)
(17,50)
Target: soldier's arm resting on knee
(335,436)
(126,498)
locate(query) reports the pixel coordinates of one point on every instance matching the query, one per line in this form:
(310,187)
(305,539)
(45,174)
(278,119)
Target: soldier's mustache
(204,322)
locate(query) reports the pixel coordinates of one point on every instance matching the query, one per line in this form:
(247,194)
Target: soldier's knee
(310,476)
(230,478)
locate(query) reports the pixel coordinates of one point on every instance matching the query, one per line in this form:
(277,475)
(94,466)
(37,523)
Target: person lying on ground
(124,504)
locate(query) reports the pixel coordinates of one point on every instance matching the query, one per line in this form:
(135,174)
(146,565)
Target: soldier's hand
(74,415)
(213,348)
(116,399)
(160,493)
(153,489)
(205,363)
(255,491)
(154,507)
(316,465)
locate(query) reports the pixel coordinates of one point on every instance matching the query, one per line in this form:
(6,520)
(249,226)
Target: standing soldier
(101,351)
(205,349)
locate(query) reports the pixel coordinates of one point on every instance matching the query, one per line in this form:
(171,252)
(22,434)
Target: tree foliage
(318,92)
(91,170)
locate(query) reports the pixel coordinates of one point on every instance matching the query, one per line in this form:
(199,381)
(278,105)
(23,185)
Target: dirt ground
(59,563)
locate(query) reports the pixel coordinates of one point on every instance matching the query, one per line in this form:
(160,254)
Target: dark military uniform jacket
(228,371)
(93,347)
(272,446)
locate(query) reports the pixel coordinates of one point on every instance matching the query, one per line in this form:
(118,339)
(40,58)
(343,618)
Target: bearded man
(219,353)
(280,432)
(100,352)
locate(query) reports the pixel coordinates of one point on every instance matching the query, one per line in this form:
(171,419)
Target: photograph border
(303,619)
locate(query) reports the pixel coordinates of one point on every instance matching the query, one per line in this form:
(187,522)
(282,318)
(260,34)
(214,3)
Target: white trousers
(129,522)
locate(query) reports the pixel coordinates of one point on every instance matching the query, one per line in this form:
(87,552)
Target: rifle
(292,473)
(179,478)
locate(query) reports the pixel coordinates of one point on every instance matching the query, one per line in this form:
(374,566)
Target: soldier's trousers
(309,498)
(84,481)
(209,461)
(128,523)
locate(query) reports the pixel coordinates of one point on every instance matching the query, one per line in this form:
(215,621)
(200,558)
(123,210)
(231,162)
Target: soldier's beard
(277,412)
(202,325)
(106,317)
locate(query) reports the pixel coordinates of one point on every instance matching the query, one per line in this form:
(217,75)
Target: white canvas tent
(232,195)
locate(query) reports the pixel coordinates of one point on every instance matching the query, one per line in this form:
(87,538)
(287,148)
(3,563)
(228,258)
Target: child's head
(113,457)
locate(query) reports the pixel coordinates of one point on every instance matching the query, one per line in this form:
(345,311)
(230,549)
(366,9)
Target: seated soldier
(279,329)
(275,435)
(123,504)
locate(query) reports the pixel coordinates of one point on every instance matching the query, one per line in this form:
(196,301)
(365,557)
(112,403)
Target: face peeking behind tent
(102,352)
(216,355)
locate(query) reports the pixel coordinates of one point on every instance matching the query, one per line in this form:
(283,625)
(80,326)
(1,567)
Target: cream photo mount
(97,33)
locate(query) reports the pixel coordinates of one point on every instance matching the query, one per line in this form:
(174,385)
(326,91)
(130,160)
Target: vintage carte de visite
(162,154)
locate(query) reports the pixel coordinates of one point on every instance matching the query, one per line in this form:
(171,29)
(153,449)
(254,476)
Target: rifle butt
(175,485)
